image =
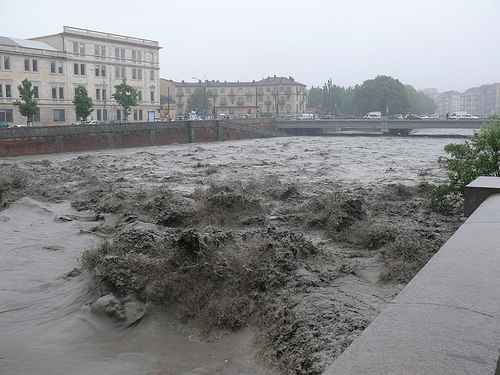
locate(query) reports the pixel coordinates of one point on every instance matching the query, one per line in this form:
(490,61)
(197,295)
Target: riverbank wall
(447,319)
(77,138)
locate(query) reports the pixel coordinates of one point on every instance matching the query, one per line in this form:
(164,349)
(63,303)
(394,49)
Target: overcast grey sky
(445,44)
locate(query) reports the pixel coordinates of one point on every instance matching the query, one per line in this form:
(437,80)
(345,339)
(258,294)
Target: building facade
(57,64)
(277,96)
(482,101)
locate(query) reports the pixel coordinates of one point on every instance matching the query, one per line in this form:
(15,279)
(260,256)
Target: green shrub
(478,156)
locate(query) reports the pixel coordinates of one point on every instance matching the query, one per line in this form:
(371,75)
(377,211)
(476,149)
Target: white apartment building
(57,64)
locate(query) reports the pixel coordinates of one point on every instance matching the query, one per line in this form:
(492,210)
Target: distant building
(57,64)
(277,96)
(483,100)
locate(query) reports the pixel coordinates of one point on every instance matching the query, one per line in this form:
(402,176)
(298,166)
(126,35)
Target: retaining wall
(447,319)
(54,139)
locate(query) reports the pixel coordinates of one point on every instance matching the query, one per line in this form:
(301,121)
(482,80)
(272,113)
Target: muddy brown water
(46,324)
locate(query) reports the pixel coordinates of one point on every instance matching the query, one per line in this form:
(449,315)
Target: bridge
(403,127)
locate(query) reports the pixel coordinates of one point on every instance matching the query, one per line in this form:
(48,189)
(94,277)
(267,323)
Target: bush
(478,156)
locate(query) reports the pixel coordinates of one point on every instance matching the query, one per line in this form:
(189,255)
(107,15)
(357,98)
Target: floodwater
(46,325)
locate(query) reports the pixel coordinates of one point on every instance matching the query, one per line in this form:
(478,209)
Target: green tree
(83,102)
(199,101)
(420,103)
(27,106)
(126,97)
(384,94)
(478,156)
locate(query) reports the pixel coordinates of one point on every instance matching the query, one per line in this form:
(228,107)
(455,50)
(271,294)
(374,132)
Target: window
(56,67)
(35,65)
(119,72)
(6,62)
(136,55)
(97,94)
(139,96)
(240,100)
(137,114)
(1,91)
(99,118)
(100,50)
(79,48)
(8,91)
(27,65)
(79,69)
(151,57)
(58,115)
(36,92)
(6,115)
(151,75)
(57,90)
(104,96)
(100,70)
(152,96)
(120,53)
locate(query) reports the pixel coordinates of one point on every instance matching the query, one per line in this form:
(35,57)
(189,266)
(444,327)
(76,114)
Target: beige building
(482,101)
(57,64)
(277,96)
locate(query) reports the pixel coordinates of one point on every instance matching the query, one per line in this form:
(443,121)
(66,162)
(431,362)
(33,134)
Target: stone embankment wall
(447,319)
(57,139)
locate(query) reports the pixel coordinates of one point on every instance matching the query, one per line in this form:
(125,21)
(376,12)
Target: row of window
(119,53)
(58,93)
(232,91)
(59,115)
(57,67)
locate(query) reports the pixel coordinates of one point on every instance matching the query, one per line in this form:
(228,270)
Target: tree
(199,101)
(126,97)
(28,106)
(83,103)
(384,94)
(420,103)
(478,156)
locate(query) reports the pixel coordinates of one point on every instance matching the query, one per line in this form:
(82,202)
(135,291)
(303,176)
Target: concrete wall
(53,139)
(447,319)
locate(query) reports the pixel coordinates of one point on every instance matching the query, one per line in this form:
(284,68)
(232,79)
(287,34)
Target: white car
(467,117)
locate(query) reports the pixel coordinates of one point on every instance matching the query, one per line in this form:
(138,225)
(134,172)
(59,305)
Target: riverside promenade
(447,319)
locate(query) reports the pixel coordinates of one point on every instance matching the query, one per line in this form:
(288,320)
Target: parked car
(396,117)
(411,116)
(327,117)
(4,124)
(345,117)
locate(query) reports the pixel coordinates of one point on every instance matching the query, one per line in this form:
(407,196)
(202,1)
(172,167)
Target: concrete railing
(447,319)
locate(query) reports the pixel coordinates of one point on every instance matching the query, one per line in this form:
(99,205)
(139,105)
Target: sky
(442,44)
